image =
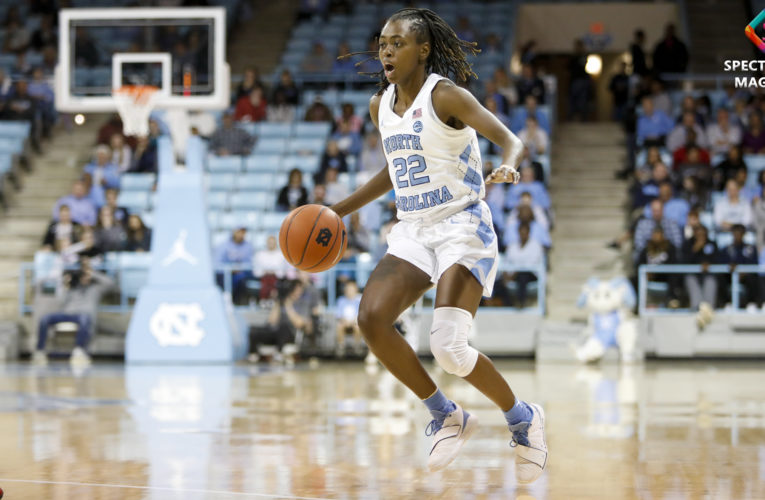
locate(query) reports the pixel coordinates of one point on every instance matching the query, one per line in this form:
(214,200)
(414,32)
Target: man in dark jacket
(670,55)
(741,253)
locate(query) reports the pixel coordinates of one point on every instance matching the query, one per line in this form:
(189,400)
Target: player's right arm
(374,188)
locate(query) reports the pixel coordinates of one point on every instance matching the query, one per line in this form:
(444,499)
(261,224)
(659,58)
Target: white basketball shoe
(530,446)
(449,434)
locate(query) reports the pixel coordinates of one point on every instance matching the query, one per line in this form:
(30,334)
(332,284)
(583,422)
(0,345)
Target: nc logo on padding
(177,324)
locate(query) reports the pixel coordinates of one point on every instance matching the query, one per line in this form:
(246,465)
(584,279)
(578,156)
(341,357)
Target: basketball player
(445,234)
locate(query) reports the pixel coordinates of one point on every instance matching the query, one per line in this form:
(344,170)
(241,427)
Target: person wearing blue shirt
(528,184)
(348,141)
(81,207)
(102,170)
(346,313)
(675,209)
(654,125)
(518,120)
(236,251)
(537,231)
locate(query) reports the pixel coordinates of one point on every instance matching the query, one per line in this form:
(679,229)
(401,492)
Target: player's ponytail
(447,51)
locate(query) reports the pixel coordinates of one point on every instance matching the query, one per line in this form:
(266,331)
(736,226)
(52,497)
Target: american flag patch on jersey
(417,113)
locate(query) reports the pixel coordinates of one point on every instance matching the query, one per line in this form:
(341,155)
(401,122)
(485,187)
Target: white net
(134,103)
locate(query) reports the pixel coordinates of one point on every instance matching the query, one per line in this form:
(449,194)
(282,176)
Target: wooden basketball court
(654,431)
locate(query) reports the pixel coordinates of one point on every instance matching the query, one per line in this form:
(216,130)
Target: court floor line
(157,488)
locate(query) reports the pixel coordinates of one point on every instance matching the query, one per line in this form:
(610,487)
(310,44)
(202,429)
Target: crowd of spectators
(696,179)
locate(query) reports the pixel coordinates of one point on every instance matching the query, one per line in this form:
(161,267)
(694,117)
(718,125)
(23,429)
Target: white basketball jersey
(435,169)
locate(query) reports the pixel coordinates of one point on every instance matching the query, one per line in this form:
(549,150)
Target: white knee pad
(449,340)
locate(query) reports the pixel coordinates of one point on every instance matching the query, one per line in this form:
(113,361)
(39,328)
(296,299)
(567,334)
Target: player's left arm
(452,102)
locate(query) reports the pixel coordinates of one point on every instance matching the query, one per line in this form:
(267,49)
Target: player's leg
(393,286)
(457,298)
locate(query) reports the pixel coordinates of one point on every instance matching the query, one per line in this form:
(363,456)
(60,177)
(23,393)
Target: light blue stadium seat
(224,163)
(259,239)
(133,272)
(249,127)
(273,145)
(134,201)
(357,98)
(269,130)
(308,164)
(13,145)
(217,200)
(306,146)
(271,222)
(6,163)
(213,218)
(219,237)
(262,163)
(293,58)
(279,181)
(254,182)
(232,220)
(221,182)
(137,182)
(15,129)
(251,200)
(328,97)
(313,130)
(754,165)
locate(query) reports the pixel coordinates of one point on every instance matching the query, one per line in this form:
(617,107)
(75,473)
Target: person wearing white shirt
(335,190)
(534,137)
(540,216)
(528,253)
(269,266)
(723,134)
(732,209)
(679,135)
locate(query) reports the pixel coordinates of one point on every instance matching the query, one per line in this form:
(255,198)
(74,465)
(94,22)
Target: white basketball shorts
(465,238)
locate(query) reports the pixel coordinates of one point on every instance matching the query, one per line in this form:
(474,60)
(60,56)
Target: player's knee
(370,318)
(449,341)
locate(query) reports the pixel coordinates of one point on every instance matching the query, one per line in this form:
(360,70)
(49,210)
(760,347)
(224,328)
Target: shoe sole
(470,427)
(541,412)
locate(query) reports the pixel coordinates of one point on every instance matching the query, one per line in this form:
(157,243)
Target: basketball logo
(417,126)
(324,237)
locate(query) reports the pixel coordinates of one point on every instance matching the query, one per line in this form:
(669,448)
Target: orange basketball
(312,238)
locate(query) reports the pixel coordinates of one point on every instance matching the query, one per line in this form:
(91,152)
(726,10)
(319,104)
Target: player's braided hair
(447,51)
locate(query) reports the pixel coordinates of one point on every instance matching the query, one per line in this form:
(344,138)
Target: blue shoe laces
(435,424)
(520,434)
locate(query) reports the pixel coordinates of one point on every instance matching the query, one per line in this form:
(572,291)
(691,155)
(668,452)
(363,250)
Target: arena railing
(717,269)
(27,280)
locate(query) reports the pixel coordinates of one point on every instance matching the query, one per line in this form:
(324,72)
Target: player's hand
(504,173)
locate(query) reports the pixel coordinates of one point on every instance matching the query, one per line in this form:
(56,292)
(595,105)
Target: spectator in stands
(639,66)
(235,252)
(646,225)
(82,294)
(332,158)
(619,86)
(120,214)
(348,141)
(740,253)
(86,247)
(692,192)
(252,107)
(670,55)
(370,65)
(679,135)
(754,137)
(280,111)
(691,222)
(748,193)
(701,287)
(109,234)
(732,209)
(528,52)
(102,170)
(22,106)
(346,314)
(250,81)
(288,87)
(122,155)
(269,266)
(349,117)
(138,235)
(540,216)
(318,195)
(359,237)
(372,158)
(62,227)
(42,93)
(526,252)
(96,192)
(144,158)
(675,209)
(492,46)
(518,120)
(644,191)
(12,16)
(85,50)
(491,104)
(16,38)
(660,96)
(580,88)
(530,84)
(681,155)
(505,86)
(653,126)
(658,250)
(534,138)
(688,105)
(49,61)
(492,93)
(335,190)
(294,194)
(464,29)
(652,157)
(45,35)
(528,183)
(727,169)
(82,210)
(108,129)
(318,60)
(344,63)
(696,164)
(6,88)
(285,319)
(230,139)
(319,112)
(538,232)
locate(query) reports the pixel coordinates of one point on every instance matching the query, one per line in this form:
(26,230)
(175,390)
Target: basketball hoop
(134,103)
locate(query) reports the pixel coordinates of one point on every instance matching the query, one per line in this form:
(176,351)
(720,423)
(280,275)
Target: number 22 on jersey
(415,164)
